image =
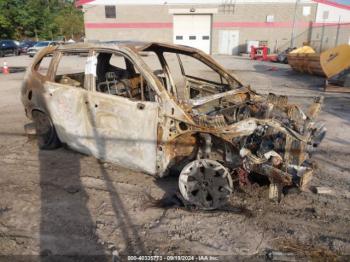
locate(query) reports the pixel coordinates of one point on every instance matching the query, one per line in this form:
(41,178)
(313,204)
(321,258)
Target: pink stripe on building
(166,25)
(276,24)
(343,25)
(146,25)
(259,24)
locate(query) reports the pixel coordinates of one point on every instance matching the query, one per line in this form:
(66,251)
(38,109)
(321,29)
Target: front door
(124,131)
(123,122)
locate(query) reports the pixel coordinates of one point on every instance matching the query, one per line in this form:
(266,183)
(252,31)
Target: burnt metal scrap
(212,132)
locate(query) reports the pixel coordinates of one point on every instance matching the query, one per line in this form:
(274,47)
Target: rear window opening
(71,69)
(42,67)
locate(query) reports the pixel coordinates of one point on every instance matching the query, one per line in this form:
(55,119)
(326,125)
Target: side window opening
(192,77)
(42,67)
(195,68)
(117,75)
(71,69)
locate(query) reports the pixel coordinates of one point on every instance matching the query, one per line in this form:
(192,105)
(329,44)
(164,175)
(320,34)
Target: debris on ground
(280,256)
(304,250)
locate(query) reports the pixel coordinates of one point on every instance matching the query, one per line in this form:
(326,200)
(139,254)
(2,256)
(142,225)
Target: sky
(344,2)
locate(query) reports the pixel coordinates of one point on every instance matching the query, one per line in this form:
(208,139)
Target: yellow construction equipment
(333,64)
(303,50)
(335,60)
(305,60)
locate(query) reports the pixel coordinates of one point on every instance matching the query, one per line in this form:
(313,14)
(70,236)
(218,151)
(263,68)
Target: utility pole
(324,16)
(36,34)
(322,36)
(337,35)
(293,26)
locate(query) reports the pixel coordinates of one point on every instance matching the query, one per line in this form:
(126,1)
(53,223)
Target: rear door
(65,94)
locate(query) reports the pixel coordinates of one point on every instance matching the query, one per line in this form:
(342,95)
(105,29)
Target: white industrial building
(220,26)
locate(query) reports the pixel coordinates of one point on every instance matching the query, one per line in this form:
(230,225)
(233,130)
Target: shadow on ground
(66,227)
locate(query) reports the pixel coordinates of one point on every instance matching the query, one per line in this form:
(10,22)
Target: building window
(110,11)
(179,37)
(306,10)
(192,37)
(325,15)
(270,19)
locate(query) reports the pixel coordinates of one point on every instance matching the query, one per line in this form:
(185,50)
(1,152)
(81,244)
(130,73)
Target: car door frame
(52,98)
(126,131)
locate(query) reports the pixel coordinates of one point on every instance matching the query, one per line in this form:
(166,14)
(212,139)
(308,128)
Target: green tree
(46,19)
(69,22)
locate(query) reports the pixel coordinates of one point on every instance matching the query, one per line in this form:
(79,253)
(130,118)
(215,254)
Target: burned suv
(161,108)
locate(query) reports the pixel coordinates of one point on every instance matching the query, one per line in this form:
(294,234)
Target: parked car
(181,112)
(8,47)
(25,45)
(38,46)
(282,57)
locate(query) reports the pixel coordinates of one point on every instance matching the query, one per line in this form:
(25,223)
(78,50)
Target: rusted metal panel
(110,128)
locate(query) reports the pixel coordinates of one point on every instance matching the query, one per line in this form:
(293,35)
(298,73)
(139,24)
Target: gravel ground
(65,203)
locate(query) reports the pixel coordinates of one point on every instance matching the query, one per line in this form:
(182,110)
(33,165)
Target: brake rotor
(205,183)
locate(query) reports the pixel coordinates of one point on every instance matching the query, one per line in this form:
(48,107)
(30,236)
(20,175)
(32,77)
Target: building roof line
(334,4)
(182,2)
(325,2)
(83,2)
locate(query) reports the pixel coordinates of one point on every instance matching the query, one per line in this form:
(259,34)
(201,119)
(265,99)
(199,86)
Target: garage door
(193,30)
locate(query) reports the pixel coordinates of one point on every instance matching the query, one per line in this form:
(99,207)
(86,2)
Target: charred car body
(187,113)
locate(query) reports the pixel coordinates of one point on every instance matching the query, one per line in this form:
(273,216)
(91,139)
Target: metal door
(229,42)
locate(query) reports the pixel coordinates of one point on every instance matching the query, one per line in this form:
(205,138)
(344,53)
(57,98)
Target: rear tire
(45,131)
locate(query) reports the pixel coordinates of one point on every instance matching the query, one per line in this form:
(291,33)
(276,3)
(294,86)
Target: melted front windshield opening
(190,77)
(193,78)
(195,68)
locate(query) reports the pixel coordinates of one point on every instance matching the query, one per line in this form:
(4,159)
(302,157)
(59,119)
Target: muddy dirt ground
(64,203)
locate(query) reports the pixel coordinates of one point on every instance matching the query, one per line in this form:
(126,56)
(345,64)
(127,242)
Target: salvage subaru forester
(182,111)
